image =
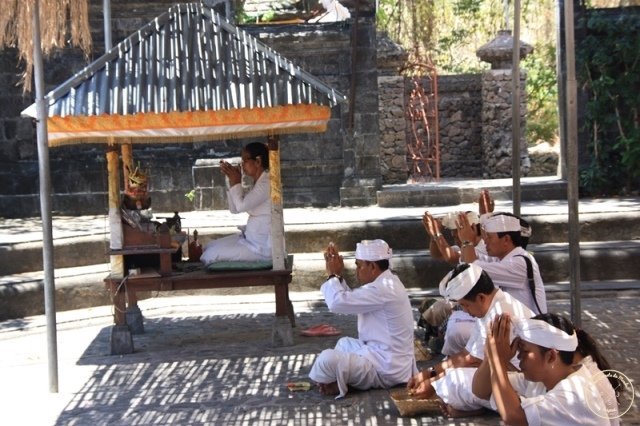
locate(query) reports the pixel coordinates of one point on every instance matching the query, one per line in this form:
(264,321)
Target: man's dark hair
(484,285)
(382,264)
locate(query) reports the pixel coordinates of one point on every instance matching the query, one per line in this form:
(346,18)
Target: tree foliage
(608,62)
(449,32)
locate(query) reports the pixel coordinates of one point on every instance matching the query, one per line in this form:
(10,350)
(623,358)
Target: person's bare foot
(449,411)
(328,388)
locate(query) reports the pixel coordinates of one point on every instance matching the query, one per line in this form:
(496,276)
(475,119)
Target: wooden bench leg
(134,317)
(282,331)
(284,307)
(121,341)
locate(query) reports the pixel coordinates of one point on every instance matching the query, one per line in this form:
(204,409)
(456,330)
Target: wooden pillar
(127,160)
(278,249)
(115,221)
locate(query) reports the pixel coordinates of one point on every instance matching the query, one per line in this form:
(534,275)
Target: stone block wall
(497,124)
(459,111)
(393,150)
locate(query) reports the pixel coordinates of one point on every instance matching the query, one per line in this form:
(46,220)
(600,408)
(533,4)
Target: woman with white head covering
(551,389)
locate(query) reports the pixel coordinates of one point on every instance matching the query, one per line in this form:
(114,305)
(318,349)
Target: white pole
(106,5)
(45,203)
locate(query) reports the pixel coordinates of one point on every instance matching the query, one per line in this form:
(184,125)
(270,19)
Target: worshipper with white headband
(516,271)
(382,356)
(450,380)
(439,247)
(449,326)
(551,388)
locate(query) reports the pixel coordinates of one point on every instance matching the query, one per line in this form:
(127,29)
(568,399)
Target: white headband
(458,287)
(544,334)
(501,223)
(449,220)
(373,250)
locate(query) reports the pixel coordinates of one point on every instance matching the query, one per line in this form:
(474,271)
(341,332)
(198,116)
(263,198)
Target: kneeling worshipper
(551,389)
(382,356)
(450,380)
(253,243)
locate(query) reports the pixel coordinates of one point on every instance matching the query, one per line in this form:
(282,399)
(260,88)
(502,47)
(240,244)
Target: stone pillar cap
(499,51)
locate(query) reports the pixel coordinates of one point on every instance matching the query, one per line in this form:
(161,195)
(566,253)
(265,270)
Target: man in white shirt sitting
(382,356)
(505,239)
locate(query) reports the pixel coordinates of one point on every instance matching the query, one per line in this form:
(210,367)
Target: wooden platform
(128,318)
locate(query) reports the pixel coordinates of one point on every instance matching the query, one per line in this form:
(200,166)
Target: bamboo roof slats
(190,61)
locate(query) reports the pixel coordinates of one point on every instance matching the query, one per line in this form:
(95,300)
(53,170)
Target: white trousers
(344,366)
(455,389)
(228,248)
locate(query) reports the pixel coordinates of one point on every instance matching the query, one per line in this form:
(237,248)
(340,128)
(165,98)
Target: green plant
(542,93)
(609,65)
(191,195)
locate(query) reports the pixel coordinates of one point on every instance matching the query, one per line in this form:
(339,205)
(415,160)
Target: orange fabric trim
(253,118)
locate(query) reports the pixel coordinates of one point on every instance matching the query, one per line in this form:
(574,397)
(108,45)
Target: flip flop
(321,330)
(299,386)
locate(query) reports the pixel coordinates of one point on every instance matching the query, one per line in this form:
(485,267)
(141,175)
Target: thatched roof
(187,75)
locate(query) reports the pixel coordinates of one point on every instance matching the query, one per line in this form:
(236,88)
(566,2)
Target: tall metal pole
(106,13)
(515,109)
(45,203)
(572,166)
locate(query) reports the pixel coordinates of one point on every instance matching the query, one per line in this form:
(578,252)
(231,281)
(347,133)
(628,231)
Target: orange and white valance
(188,126)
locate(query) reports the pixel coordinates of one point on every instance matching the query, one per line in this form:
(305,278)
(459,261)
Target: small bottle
(195,249)
(177,223)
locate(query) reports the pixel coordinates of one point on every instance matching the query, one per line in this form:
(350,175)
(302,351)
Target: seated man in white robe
(382,356)
(450,380)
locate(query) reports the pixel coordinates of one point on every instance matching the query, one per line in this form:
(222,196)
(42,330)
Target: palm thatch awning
(187,76)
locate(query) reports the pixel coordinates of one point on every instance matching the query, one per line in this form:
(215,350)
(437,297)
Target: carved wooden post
(278,249)
(115,221)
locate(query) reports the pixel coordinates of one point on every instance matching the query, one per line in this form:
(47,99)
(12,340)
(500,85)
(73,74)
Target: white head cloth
(449,220)
(544,334)
(458,287)
(373,250)
(501,223)
(525,231)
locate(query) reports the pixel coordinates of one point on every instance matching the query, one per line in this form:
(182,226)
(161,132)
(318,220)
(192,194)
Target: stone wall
(497,124)
(459,111)
(393,149)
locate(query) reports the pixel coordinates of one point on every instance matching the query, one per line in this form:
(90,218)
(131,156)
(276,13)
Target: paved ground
(208,360)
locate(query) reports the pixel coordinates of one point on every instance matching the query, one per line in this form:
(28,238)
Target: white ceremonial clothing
(501,303)
(604,388)
(459,327)
(254,241)
(573,401)
(510,274)
(455,386)
(385,331)
(344,365)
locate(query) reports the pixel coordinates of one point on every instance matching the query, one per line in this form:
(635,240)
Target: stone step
(460,191)
(81,287)
(402,232)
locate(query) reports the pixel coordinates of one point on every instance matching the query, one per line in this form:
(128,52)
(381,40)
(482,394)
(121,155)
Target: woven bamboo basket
(409,406)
